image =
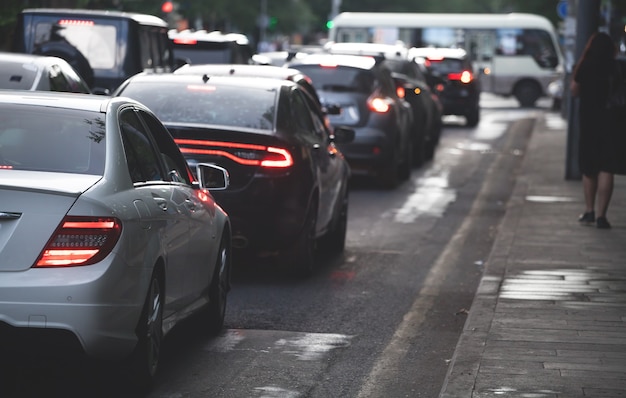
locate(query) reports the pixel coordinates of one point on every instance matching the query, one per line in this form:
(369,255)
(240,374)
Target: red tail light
(401,92)
(245,154)
(464,77)
(75,22)
(379,105)
(185,40)
(80,241)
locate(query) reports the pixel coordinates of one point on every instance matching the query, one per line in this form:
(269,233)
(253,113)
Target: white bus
(515,54)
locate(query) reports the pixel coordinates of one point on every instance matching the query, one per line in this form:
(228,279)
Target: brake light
(379,105)
(328,65)
(245,154)
(464,77)
(80,241)
(400,92)
(75,22)
(435,58)
(185,40)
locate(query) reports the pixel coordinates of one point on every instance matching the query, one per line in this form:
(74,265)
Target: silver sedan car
(105,234)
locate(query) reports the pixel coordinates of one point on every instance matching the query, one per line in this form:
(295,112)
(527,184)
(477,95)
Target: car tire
(407,164)
(215,312)
(472,119)
(335,240)
(420,151)
(144,361)
(302,259)
(527,93)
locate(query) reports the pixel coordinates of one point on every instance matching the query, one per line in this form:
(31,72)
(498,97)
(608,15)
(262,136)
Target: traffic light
(167,7)
(329,24)
(271,23)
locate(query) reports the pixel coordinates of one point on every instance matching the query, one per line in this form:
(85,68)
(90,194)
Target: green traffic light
(329,24)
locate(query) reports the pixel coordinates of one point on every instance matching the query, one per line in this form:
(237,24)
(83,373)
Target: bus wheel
(527,93)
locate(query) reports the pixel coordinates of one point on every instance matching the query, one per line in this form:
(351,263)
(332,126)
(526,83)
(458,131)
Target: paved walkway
(549,317)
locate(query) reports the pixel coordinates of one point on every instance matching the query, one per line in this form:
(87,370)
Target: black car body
(413,87)
(288,181)
(202,47)
(458,87)
(363,88)
(39,73)
(104,47)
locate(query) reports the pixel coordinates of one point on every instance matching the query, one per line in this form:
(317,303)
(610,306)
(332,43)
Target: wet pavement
(549,317)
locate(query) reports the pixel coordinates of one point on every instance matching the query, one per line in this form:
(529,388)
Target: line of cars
(131,206)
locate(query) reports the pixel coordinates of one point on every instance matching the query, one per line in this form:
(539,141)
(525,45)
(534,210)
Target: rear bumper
(371,151)
(78,307)
(266,215)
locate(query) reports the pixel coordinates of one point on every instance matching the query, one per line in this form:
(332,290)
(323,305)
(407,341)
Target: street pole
(587,22)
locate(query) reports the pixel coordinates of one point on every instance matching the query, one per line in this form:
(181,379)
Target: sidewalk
(549,316)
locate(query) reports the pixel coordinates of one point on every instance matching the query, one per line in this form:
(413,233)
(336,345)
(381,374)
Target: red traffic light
(167,7)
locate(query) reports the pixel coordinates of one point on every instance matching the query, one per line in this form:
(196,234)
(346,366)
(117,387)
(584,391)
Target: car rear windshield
(445,65)
(220,105)
(340,78)
(51,139)
(96,41)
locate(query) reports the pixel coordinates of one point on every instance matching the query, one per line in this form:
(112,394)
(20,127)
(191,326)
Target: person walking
(590,83)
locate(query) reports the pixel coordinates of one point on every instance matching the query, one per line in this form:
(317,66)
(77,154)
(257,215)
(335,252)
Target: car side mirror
(332,109)
(342,135)
(212,177)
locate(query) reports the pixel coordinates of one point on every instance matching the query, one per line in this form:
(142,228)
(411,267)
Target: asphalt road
(382,320)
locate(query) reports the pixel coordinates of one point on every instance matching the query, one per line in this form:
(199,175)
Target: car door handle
(162,203)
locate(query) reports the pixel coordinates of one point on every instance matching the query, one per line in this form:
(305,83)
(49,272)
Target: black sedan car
(288,181)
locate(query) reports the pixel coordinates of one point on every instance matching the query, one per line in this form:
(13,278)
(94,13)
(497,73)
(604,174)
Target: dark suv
(104,47)
(413,85)
(457,85)
(365,92)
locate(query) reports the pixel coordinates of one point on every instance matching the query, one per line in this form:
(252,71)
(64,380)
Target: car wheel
(473,118)
(335,240)
(302,260)
(407,165)
(527,93)
(420,153)
(388,176)
(145,358)
(218,290)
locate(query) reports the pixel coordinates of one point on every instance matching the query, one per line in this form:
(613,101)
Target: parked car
(108,242)
(104,47)
(412,86)
(363,88)
(289,182)
(459,89)
(202,47)
(39,73)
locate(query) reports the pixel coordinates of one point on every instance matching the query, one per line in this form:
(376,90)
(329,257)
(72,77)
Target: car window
(340,78)
(96,41)
(444,66)
(320,122)
(207,104)
(17,76)
(174,161)
(301,113)
(42,139)
(141,157)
